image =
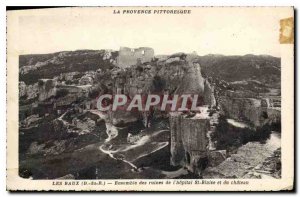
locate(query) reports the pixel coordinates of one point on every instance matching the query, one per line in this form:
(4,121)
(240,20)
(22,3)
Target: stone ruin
(189,142)
(129,56)
(250,108)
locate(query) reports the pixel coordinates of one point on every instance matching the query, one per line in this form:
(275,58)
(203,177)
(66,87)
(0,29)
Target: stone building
(128,56)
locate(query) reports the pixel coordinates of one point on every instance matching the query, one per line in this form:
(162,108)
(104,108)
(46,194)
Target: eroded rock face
(30,91)
(67,76)
(175,75)
(86,80)
(58,147)
(163,77)
(47,88)
(216,157)
(209,97)
(274,115)
(122,118)
(249,110)
(192,81)
(188,142)
(111,131)
(30,120)
(22,89)
(86,126)
(242,108)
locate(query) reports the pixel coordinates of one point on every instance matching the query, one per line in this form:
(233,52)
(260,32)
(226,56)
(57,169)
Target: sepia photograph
(151,98)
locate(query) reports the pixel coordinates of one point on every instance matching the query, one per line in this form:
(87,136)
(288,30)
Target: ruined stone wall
(128,57)
(245,109)
(188,141)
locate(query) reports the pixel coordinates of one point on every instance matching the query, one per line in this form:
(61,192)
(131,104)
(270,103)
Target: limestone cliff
(192,81)
(178,76)
(251,110)
(47,88)
(189,142)
(209,95)
(28,91)
(173,75)
(22,89)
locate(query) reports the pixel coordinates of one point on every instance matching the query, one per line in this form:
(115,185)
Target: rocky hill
(35,67)
(58,116)
(263,68)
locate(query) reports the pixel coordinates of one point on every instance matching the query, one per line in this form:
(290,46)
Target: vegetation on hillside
(230,137)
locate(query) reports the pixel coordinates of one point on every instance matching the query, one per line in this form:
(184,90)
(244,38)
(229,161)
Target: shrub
(94,93)
(49,85)
(40,83)
(159,84)
(228,136)
(61,93)
(139,68)
(68,82)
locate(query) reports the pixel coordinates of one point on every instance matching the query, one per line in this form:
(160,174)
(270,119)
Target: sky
(228,31)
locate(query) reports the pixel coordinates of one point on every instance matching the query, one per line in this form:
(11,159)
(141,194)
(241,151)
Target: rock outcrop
(209,97)
(163,77)
(22,89)
(175,75)
(35,67)
(67,76)
(32,91)
(216,157)
(58,91)
(86,80)
(28,91)
(111,130)
(252,109)
(192,81)
(58,147)
(47,89)
(189,142)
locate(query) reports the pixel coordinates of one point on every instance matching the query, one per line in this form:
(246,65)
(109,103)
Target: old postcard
(150,99)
